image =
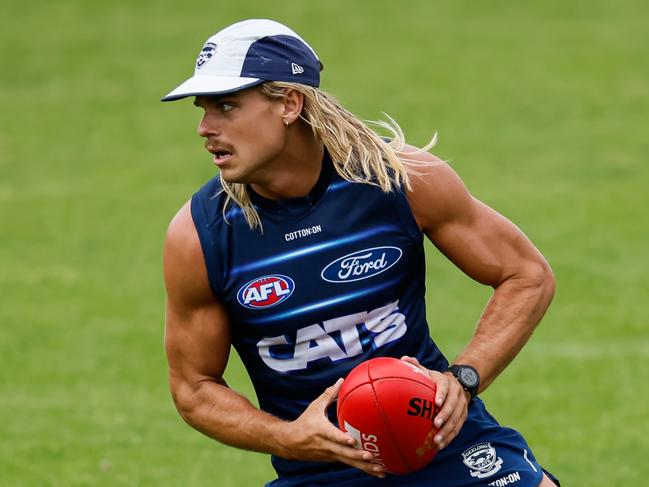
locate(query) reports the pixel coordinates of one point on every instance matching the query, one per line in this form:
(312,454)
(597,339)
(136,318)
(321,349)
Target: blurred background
(541,107)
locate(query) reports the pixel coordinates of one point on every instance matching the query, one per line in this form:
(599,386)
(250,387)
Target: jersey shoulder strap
(207,213)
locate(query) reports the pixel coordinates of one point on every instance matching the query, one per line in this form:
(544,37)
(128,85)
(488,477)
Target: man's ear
(293,103)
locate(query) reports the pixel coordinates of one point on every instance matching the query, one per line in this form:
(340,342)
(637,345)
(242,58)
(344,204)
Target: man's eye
(225,107)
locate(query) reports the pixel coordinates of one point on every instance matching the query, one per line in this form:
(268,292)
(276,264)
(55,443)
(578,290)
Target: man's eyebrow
(207,99)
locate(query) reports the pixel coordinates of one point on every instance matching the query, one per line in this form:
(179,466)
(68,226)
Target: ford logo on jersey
(266,291)
(362,264)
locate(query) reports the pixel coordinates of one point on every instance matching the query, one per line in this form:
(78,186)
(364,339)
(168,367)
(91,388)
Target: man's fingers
(442,384)
(332,391)
(446,411)
(361,460)
(450,430)
(329,395)
(415,362)
(354,457)
(338,436)
(450,418)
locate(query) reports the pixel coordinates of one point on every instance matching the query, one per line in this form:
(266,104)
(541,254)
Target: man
(306,255)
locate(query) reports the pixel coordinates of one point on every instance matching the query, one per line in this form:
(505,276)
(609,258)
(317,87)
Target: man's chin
(232,177)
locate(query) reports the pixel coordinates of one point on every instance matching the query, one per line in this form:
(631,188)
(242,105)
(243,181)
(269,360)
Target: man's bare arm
(197,342)
(493,251)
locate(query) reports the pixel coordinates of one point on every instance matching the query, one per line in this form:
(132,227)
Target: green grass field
(542,107)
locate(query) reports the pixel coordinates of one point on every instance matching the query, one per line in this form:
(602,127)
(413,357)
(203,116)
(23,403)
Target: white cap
(246,54)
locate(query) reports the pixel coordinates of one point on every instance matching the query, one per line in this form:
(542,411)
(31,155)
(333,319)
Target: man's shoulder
(184,269)
(204,206)
(181,232)
(437,192)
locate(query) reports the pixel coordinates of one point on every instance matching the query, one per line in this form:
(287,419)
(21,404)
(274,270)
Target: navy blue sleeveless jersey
(335,278)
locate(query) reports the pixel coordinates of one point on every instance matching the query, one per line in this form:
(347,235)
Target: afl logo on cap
(209,49)
(266,291)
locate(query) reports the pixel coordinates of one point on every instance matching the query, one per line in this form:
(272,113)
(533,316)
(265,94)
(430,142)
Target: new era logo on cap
(246,54)
(296,68)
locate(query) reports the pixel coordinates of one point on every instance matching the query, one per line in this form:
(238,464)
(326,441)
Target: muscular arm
(197,342)
(491,250)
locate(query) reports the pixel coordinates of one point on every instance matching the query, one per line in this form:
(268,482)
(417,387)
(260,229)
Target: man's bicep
(485,245)
(482,243)
(197,330)
(197,342)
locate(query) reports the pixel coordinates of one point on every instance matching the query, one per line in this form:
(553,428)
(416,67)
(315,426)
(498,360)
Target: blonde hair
(358,153)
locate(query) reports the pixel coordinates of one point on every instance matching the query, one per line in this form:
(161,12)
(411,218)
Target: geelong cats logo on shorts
(361,265)
(266,291)
(482,459)
(209,49)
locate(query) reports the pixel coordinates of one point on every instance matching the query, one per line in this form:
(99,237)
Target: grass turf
(541,108)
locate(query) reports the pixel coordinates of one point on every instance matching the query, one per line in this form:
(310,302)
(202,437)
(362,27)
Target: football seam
(370,382)
(386,423)
(367,381)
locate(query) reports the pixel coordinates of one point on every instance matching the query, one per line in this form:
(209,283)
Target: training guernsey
(332,279)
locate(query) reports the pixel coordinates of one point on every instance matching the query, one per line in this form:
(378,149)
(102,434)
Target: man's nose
(208,126)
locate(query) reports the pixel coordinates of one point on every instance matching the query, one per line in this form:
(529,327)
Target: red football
(388,406)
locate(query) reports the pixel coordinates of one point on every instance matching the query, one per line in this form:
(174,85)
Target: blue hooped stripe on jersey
(325,303)
(284,257)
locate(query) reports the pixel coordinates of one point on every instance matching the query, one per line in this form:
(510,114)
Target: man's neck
(299,169)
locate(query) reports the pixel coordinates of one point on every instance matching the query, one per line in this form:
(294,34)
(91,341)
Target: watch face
(469,377)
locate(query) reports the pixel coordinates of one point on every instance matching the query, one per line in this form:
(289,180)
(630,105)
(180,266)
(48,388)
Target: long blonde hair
(358,153)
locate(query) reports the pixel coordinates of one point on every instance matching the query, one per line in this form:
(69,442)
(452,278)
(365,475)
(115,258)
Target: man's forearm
(514,310)
(229,417)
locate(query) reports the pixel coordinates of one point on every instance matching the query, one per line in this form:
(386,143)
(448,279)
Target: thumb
(330,394)
(410,360)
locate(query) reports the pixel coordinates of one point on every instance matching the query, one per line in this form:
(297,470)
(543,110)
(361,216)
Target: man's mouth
(221,155)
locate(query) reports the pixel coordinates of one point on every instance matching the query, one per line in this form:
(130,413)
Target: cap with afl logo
(246,54)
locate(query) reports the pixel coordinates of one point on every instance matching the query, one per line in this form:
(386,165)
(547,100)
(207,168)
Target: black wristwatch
(468,377)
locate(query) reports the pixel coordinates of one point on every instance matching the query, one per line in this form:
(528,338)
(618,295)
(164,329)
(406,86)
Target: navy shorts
(483,454)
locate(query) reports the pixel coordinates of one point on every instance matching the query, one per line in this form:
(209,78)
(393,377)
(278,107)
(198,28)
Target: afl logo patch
(362,264)
(266,291)
(209,49)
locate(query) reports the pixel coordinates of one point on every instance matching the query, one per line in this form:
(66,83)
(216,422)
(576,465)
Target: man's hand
(312,437)
(451,401)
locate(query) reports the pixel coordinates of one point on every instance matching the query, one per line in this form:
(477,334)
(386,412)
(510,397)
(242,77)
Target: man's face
(245,132)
